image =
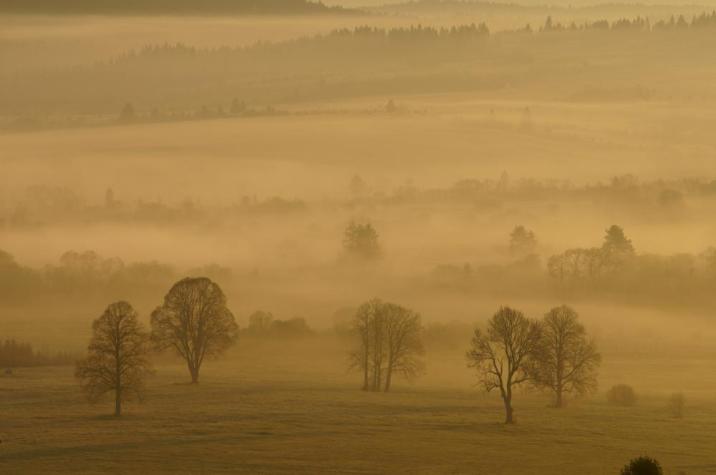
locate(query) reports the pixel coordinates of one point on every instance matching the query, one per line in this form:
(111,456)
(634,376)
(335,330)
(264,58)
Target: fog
(305,168)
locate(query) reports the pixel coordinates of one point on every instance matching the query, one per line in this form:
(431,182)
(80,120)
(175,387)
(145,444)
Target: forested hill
(167,7)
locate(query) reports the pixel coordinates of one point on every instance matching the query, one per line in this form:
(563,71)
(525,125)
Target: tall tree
(117,359)
(503,353)
(362,326)
(567,361)
(195,322)
(617,249)
(404,345)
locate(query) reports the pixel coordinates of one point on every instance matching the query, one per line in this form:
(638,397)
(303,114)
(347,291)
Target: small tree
(404,345)
(567,362)
(621,395)
(503,354)
(361,240)
(642,466)
(522,242)
(127,114)
(195,322)
(260,321)
(117,359)
(617,249)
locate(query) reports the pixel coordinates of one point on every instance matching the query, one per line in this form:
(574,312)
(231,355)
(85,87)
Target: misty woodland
(357,236)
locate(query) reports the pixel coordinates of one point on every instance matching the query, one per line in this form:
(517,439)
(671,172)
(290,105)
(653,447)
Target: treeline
(82,273)
(166,7)
(14,354)
(704,20)
(344,63)
(614,271)
(42,205)
(46,205)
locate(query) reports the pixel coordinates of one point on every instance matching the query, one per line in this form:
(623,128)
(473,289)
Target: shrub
(621,395)
(642,466)
(676,405)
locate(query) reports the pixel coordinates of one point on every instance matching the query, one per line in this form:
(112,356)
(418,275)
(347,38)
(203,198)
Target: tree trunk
(388,377)
(509,419)
(559,401)
(366,364)
(194,371)
(117,403)
(377,378)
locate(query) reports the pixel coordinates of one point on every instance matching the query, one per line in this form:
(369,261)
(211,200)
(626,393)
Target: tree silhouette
(117,359)
(361,240)
(390,342)
(195,322)
(503,353)
(522,242)
(566,361)
(642,466)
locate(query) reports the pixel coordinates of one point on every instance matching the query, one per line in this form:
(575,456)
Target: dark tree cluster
(361,241)
(15,354)
(593,264)
(263,325)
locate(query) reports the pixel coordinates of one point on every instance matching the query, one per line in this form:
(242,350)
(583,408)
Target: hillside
(165,7)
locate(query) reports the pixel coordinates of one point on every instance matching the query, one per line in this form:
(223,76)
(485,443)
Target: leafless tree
(404,345)
(195,322)
(567,361)
(502,354)
(362,326)
(389,342)
(117,359)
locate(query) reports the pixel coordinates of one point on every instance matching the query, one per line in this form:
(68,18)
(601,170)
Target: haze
(292,237)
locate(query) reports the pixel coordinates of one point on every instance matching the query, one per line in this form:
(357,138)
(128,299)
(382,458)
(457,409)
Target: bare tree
(117,359)
(567,361)
(195,322)
(362,326)
(503,353)
(389,342)
(404,345)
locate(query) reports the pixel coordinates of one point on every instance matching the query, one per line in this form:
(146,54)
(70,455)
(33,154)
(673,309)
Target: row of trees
(553,354)
(16,354)
(703,20)
(194,322)
(592,263)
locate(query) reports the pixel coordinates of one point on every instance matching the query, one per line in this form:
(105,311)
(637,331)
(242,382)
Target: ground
(251,419)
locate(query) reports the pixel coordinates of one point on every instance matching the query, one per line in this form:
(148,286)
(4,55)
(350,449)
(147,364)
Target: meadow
(272,413)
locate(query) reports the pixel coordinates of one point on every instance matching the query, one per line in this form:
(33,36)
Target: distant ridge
(167,7)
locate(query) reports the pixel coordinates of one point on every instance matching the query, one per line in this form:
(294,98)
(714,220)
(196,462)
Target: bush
(676,405)
(621,395)
(642,466)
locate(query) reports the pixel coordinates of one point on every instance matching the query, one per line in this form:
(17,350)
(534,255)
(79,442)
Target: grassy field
(257,417)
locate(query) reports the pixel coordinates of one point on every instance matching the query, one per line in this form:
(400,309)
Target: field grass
(247,418)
